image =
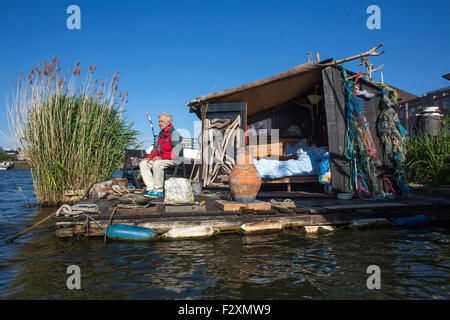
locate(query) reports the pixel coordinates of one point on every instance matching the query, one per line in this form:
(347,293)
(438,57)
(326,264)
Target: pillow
(288,150)
(301,145)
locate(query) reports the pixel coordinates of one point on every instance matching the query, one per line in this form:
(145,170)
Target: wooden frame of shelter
(259,98)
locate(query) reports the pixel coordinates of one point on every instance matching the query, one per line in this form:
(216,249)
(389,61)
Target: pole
(29,229)
(371,52)
(151,124)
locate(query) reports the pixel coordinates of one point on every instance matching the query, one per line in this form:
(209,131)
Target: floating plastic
(127,232)
(315,229)
(191,232)
(411,221)
(261,226)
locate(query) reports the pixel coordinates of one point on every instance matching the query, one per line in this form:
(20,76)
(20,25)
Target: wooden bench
(294,179)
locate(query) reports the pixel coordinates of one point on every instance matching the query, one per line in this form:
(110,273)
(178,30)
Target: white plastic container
(178,191)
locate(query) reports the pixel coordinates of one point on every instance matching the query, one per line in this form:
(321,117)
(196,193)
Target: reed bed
(428,158)
(72,135)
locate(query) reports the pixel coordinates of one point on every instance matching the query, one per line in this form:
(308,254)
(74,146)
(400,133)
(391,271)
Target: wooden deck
(311,210)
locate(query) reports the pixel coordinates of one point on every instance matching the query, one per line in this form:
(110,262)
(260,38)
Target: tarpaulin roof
(267,93)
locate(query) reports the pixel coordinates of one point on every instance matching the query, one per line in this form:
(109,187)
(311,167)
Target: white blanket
(308,162)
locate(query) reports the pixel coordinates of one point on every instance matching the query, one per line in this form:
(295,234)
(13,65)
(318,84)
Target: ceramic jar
(244,180)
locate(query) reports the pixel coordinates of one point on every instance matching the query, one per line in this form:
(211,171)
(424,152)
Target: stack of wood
(220,140)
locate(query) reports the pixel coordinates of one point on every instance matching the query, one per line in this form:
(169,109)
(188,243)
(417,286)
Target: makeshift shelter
(306,102)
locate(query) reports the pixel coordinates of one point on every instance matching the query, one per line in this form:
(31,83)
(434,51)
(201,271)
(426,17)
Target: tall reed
(72,135)
(428,157)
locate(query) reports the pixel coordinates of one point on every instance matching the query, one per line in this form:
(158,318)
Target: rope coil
(77,210)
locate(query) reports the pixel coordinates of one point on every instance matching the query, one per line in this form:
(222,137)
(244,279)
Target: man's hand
(157,158)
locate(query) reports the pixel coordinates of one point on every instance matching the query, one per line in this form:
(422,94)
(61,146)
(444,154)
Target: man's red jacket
(169,138)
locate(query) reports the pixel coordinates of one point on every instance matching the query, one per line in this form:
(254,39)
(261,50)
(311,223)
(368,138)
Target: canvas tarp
(265,94)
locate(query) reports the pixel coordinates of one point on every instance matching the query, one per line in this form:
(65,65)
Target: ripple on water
(287,265)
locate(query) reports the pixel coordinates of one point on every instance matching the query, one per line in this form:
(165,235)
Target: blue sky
(168,52)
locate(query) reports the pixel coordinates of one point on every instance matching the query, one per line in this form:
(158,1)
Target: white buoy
(315,229)
(190,232)
(261,226)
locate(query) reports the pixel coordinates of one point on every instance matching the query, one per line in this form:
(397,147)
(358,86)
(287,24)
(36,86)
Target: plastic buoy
(261,226)
(127,232)
(190,232)
(411,221)
(315,229)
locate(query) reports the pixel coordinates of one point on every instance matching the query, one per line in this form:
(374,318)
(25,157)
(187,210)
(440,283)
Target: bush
(70,140)
(428,158)
(6,157)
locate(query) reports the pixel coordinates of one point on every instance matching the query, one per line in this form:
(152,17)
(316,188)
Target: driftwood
(371,52)
(30,228)
(215,147)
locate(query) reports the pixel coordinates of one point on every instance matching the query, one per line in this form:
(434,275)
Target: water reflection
(287,265)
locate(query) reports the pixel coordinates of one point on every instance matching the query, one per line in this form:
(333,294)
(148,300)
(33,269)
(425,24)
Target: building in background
(412,105)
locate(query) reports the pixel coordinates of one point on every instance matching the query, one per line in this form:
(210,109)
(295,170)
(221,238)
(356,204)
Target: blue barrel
(127,232)
(411,221)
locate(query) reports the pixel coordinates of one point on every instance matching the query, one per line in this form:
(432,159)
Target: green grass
(71,140)
(428,158)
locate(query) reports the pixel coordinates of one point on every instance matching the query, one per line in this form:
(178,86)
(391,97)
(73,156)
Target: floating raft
(310,210)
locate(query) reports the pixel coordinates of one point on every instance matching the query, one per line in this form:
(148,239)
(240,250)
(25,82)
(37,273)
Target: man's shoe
(146,192)
(154,194)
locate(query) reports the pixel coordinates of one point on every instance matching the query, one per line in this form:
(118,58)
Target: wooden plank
(191,208)
(364,206)
(293,194)
(293,179)
(225,107)
(235,206)
(135,211)
(64,232)
(205,215)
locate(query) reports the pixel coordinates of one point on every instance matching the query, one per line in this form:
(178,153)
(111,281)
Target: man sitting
(167,149)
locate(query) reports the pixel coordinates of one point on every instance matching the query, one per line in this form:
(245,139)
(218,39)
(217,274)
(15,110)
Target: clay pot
(244,180)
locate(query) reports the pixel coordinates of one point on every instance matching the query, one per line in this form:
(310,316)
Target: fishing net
(393,137)
(361,150)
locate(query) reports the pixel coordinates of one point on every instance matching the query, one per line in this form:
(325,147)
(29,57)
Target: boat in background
(7,165)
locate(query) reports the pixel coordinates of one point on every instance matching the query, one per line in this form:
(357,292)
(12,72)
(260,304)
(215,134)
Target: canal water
(413,263)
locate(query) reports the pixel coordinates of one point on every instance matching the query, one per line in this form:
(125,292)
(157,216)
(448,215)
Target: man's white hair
(167,115)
